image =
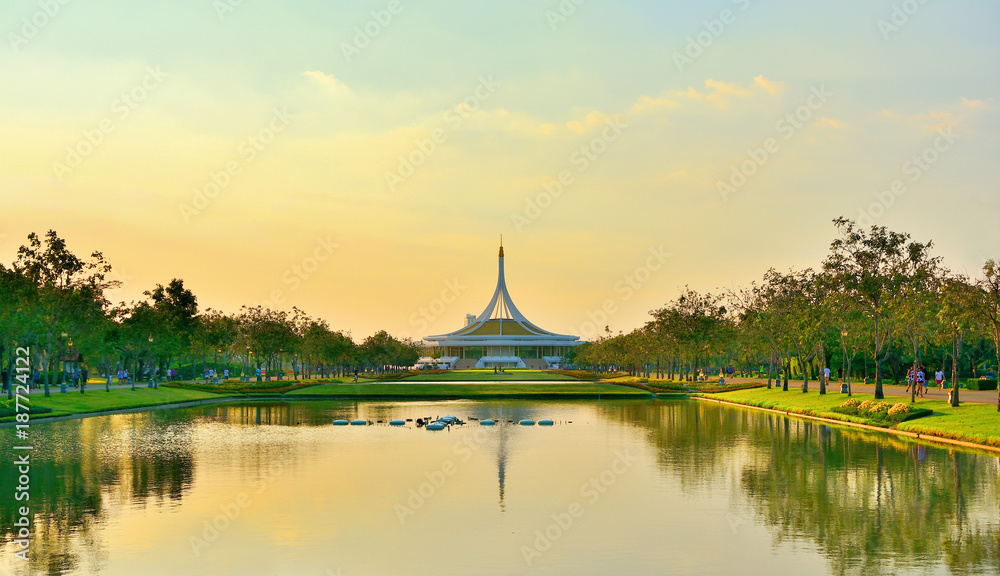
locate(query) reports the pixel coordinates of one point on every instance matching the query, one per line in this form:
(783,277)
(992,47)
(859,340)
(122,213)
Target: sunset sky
(361,160)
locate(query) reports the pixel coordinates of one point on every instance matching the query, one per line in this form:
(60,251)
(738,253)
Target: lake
(624,487)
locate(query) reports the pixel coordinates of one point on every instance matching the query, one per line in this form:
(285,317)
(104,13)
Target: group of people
(919,380)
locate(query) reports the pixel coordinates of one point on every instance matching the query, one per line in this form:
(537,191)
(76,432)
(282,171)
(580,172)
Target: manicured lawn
(96,400)
(416,390)
(979,423)
(487,375)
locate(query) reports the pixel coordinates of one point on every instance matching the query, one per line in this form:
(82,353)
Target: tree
(265,333)
(988,308)
(958,318)
(870,268)
(697,323)
(916,303)
(69,294)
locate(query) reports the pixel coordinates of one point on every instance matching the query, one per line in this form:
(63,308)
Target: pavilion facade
(500,337)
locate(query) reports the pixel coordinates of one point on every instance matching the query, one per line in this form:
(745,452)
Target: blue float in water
(487,422)
(437,426)
(448,419)
(545,422)
(359,422)
(527,422)
(397,422)
(340,422)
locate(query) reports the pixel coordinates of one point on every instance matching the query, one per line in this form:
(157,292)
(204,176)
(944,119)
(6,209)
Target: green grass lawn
(971,422)
(487,375)
(96,400)
(430,390)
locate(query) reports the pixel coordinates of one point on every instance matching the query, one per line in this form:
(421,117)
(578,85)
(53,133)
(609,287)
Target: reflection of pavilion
(499,337)
(502,460)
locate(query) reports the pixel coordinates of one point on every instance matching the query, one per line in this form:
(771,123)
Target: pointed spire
(501,245)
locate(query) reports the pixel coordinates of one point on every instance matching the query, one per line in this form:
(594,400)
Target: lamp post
(845,385)
(152,357)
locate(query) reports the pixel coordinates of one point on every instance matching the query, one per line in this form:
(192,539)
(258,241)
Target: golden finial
(501,245)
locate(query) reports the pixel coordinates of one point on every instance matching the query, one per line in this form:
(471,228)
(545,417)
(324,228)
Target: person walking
(921,383)
(909,378)
(939,379)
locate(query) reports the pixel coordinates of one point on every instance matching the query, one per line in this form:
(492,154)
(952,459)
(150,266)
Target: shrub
(880,408)
(864,406)
(899,409)
(980,384)
(851,403)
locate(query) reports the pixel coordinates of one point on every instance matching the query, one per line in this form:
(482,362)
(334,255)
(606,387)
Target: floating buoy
(527,422)
(545,422)
(487,422)
(397,423)
(359,422)
(340,422)
(436,426)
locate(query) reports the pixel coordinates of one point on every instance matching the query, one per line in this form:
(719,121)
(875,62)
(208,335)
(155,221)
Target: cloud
(546,129)
(772,88)
(328,81)
(721,93)
(975,104)
(649,104)
(591,120)
(825,122)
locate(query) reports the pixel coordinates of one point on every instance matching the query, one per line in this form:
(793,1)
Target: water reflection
(872,503)
(864,504)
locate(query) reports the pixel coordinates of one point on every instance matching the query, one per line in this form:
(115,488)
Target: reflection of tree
(83,466)
(864,499)
(872,504)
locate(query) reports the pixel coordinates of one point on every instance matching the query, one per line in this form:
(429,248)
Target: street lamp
(845,385)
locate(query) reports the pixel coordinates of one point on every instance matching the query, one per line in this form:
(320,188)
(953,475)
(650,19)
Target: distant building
(499,337)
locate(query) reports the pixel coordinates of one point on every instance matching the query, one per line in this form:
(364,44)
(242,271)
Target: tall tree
(958,319)
(870,267)
(989,308)
(70,294)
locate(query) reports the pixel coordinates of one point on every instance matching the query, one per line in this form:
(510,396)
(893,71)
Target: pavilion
(500,337)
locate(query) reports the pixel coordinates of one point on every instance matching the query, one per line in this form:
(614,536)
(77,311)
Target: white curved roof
(502,324)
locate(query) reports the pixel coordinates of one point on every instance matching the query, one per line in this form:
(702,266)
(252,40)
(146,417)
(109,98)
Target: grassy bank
(977,423)
(97,400)
(487,375)
(485,390)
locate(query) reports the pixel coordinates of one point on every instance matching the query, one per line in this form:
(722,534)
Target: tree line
(56,304)
(878,305)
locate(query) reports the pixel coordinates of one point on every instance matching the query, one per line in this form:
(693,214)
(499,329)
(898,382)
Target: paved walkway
(980,396)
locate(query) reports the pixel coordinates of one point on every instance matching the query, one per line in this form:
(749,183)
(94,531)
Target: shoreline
(912,435)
